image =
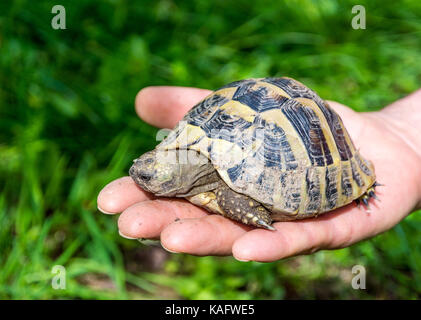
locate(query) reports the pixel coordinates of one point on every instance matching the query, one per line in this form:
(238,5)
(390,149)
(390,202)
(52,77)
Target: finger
(290,238)
(164,106)
(147,219)
(120,194)
(208,235)
(337,229)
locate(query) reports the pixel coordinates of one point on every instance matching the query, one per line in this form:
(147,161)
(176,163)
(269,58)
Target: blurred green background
(68,127)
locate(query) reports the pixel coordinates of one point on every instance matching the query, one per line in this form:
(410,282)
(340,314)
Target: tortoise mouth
(138,175)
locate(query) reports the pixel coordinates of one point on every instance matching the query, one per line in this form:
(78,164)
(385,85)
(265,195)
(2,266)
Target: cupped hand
(383,137)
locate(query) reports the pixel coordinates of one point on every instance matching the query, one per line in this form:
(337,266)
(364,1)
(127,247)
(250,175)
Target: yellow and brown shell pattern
(278,142)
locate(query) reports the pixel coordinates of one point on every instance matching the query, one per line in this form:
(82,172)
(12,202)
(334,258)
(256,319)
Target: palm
(183,227)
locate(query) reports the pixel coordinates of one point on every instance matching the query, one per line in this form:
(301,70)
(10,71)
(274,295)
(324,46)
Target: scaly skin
(390,138)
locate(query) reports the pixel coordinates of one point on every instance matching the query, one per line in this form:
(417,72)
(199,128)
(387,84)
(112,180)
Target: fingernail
(168,249)
(149,242)
(241,260)
(124,236)
(103,211)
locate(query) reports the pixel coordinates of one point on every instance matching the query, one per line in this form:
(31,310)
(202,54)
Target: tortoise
(259,150)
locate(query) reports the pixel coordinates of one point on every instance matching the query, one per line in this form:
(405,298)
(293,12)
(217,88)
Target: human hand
(389,138)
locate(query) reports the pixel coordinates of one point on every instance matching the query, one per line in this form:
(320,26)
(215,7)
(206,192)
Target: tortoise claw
(365,200)
(372,194)
(265,225)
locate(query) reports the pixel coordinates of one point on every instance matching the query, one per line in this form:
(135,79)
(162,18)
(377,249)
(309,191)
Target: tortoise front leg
(242,208)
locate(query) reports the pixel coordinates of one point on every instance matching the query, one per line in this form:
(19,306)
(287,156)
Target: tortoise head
(157,173)
(172,173)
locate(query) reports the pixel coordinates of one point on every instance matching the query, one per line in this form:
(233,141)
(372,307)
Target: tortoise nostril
(132,170)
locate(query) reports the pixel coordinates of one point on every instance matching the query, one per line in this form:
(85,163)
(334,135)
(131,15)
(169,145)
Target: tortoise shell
(278,142)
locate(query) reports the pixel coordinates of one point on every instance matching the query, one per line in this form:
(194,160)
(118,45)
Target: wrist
(403,119)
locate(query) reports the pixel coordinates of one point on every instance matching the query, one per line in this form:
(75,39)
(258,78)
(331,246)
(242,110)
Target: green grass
(67,127)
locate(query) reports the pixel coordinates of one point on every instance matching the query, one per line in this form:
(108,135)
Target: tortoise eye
(145,177)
